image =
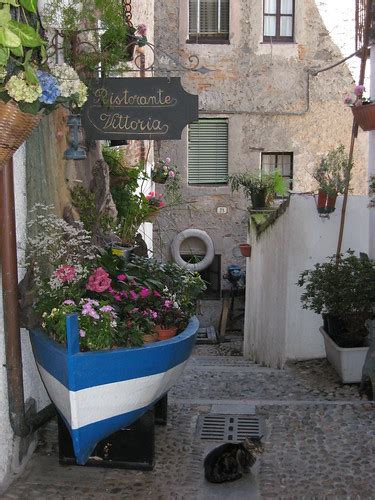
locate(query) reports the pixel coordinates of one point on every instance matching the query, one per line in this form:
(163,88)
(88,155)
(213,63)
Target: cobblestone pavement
(319,439)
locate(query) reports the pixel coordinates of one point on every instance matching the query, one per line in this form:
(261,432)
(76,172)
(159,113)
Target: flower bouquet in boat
(95,311)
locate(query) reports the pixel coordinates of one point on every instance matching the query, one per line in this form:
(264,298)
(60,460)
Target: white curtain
(269,25)
(270,6)
(286,7)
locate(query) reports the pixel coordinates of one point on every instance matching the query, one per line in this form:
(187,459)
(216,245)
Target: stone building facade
(262,56)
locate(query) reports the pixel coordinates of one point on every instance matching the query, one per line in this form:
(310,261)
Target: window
(208,151)
(281,161)
(208,21)
(278,21)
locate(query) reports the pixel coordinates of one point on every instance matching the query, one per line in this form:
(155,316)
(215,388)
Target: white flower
(69,83)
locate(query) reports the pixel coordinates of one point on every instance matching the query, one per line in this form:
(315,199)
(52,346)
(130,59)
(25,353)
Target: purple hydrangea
(50,87)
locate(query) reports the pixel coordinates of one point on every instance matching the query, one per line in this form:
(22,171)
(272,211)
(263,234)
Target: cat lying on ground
(230,460)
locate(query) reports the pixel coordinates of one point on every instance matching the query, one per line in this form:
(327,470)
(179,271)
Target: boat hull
(98,393)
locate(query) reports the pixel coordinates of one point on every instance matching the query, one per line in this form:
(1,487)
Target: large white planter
(347,361)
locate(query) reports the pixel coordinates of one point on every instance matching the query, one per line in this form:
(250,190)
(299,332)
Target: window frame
(278,38)
(277,154)
(204,38)
(211,182)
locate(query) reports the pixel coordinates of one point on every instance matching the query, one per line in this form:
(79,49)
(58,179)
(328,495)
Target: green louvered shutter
(208,151)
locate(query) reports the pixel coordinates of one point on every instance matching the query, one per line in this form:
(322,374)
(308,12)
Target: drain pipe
(21,423)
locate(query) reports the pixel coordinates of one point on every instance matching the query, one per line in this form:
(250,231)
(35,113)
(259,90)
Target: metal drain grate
(234,428)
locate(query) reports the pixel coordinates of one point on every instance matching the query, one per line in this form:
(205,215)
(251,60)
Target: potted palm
(260,188)
(343,291)
(331,175)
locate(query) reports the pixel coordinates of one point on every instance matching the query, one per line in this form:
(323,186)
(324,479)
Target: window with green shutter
(208,151)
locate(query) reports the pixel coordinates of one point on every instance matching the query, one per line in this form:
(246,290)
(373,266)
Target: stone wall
(271,103)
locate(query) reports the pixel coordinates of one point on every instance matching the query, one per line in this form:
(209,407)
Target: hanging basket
(365,116)
(15,128)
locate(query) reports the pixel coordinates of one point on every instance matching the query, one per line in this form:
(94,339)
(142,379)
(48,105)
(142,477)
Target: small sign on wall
(138,108)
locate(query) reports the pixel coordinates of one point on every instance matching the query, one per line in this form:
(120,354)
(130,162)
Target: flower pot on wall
(245,249)
(331,203)
(365,116)
(258,198)
(322,201)
(347,361)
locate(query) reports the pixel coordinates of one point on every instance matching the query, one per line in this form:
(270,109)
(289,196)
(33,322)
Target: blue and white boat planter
(99,392)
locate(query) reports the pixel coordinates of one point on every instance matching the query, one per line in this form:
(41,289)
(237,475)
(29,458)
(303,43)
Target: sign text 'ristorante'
(138,108)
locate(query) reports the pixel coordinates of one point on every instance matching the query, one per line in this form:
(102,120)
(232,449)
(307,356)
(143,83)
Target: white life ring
(193,233)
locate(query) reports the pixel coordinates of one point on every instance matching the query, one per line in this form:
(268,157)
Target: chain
(127,5)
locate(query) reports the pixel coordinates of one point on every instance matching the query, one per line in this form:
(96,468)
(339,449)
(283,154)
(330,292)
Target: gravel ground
(319,439)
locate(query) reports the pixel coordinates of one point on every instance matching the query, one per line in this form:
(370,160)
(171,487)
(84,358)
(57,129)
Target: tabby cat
(230,460)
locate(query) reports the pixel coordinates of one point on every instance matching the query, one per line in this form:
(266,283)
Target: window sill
(279,42)
(208,41)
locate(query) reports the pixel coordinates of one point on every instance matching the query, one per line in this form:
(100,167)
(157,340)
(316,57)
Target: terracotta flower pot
(245,249)
(364,115)
(331,204)
(148,338)
(322,201)
(165,333)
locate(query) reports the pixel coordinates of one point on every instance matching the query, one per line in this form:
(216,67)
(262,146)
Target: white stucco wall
(33,386)
(276,326)
(371,159)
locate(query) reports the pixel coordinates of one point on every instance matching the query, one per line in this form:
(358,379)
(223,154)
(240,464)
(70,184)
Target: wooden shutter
(208,152)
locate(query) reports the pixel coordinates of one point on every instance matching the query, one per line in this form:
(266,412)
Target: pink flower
(157,294)
(359,89)
(133,295)
(171,174)
(82,333)
(106,309)
(69,302)
(99,281)
(65,273)
(121,277)
(142,29)
(167,161)
(150,195)
(168,304)
(144,293)
(161,204)
(88,310)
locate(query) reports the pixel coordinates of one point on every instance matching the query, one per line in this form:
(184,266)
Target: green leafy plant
(344,289)
(94,33)
(259,188)
(25,76)
(333,171)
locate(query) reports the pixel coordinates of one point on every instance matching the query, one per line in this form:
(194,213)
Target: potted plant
(363,108)
(162,171)
(331,175)
(87,47)
(259,188)
(30,86)
(95,311)
(343,290)
(155,203)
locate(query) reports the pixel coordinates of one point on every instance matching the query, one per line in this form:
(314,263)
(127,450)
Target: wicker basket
(15,128)
(365,116)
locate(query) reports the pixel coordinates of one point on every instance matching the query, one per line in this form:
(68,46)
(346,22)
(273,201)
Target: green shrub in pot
(260,188)
(345,291)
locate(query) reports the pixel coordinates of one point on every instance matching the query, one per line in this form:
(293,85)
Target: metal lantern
(75,151)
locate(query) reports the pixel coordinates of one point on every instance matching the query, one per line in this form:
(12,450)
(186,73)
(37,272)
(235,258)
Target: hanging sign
(138,108)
